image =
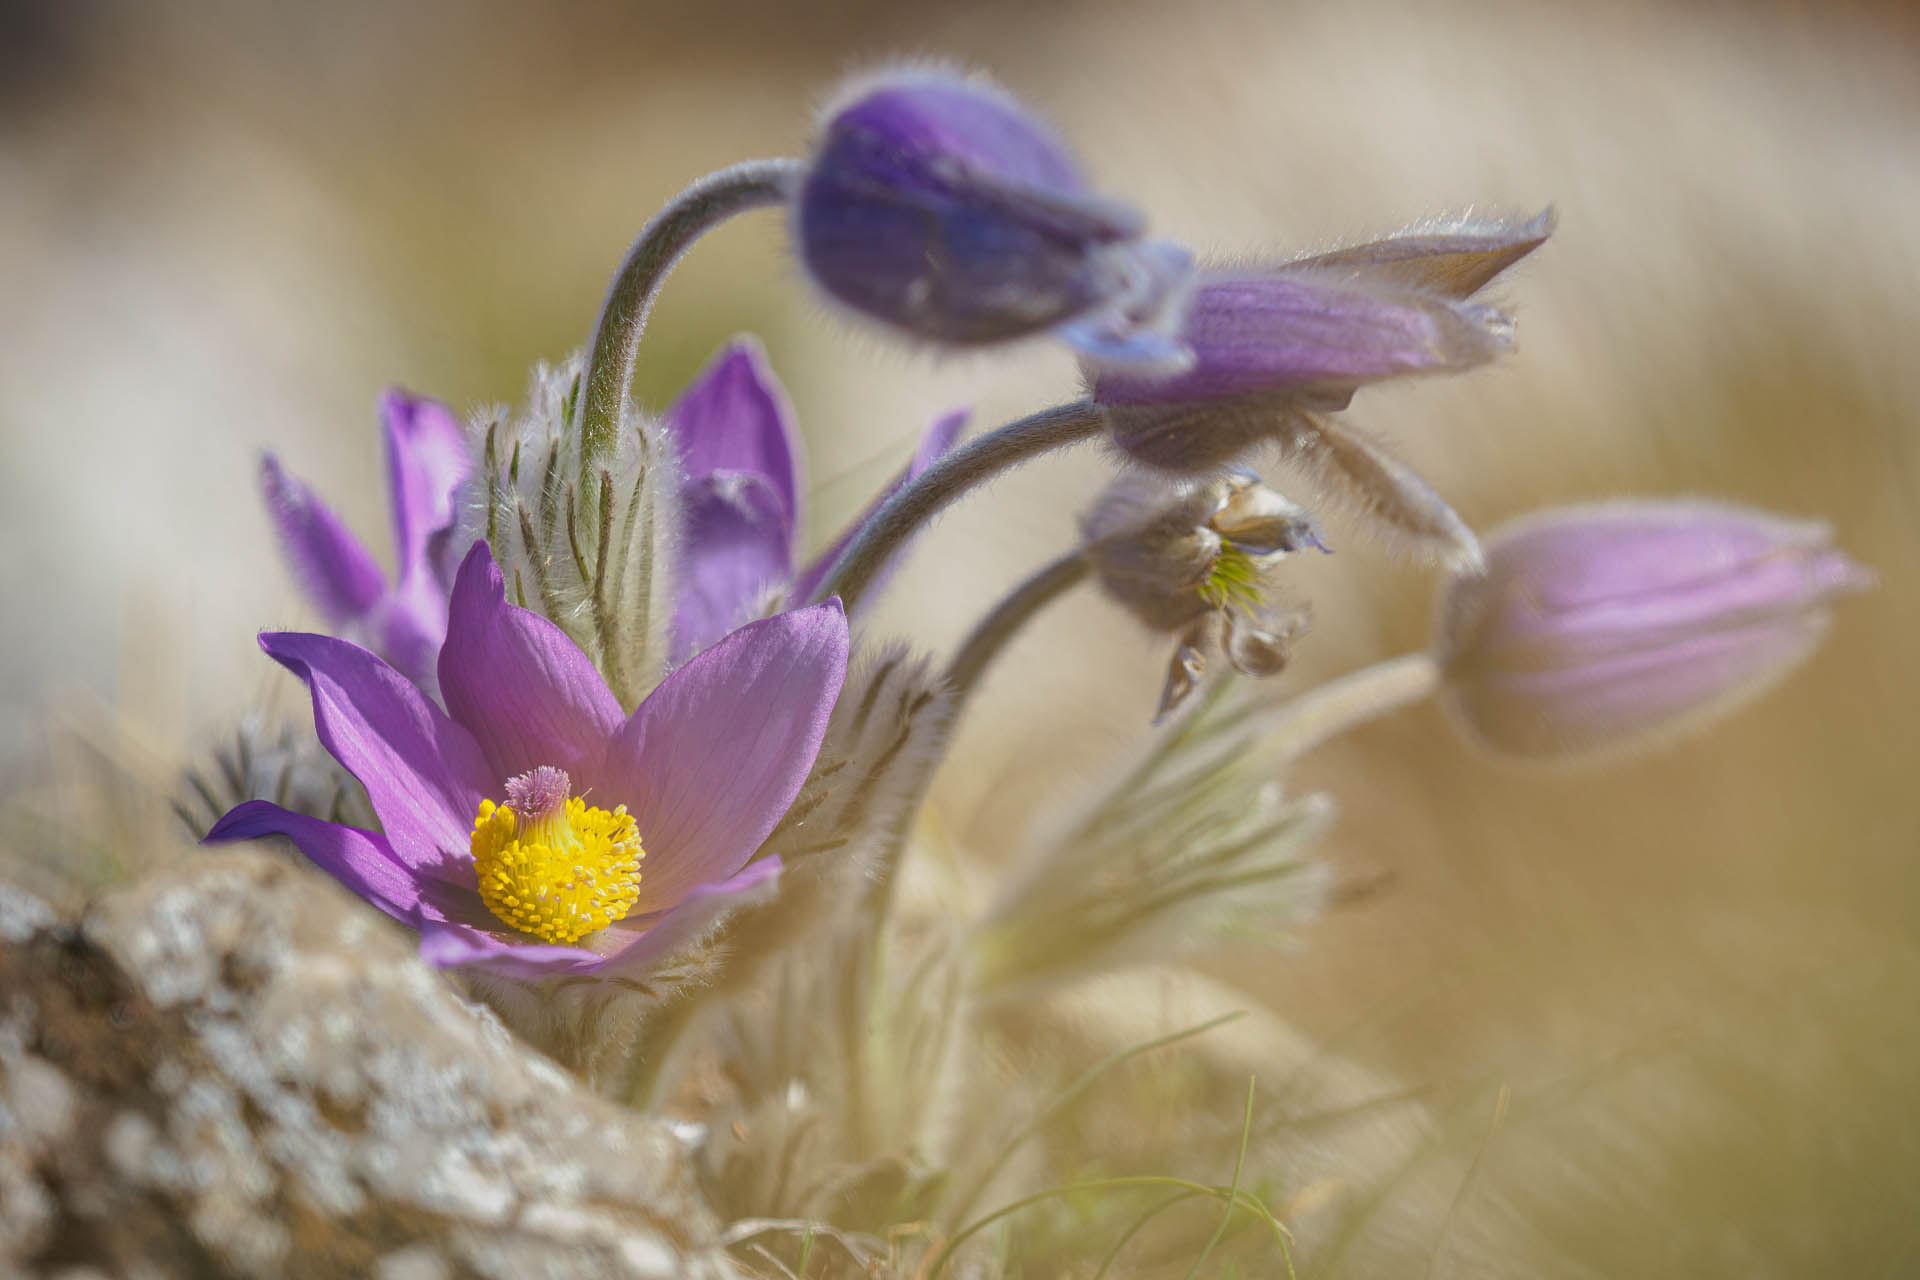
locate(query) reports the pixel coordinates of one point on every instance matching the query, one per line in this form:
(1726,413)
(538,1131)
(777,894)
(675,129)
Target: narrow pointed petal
(427,461)
(334,570)
(741,499)
(363,861)
(515,680)
(735,417)
(940,437)
(423,773)
(1457,259)
(711,761)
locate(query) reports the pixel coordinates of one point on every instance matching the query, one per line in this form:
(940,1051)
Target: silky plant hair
(889,1056)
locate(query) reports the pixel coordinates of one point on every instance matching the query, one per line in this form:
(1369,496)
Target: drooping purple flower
(1594,628)
(1275,346)
(941,207)
(1272,344)
(403,620)
(531,828)
(742,495)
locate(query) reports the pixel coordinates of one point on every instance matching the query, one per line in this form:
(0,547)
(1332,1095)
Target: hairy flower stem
(616,341)
(1305,722)
(903,514)
(1013,612)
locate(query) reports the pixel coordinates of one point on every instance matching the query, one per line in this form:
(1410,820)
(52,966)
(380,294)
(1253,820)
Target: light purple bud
(1270,344)
(942,208)
(1595,628)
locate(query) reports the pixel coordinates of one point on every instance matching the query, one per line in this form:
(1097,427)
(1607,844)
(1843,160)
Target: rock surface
(230,1069)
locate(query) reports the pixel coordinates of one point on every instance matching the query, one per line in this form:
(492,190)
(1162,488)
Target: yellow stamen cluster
(559,875)
(1233,580)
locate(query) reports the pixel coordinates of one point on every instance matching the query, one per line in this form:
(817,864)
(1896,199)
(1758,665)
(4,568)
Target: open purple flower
(531,828)
(403,620)
(1596,627)
(741,498)
(941,207)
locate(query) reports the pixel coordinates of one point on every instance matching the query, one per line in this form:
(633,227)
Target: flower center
(551,865)
(1233,580)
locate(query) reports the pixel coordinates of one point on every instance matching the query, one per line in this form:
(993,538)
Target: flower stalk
(979,460)
(753,184)
(984,643)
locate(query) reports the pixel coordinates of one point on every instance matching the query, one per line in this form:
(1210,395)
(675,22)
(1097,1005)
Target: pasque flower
(533,829)
(741,498)
(939,206)
(1596,627)
(1274,343)
(404,619)
(1192,560)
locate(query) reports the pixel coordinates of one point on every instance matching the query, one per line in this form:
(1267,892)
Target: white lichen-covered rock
(231,1070)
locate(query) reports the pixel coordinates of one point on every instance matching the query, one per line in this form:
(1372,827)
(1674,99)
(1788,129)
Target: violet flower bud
(1273,344)
(1194,561)
(941,207)
(1596,628)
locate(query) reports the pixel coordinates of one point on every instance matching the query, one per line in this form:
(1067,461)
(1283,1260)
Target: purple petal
(1255,333)
(361,860)
(423,773)
(447,944)
(333,568)
(408,627)
(735,417)
(427,461)
(710,762)
(739,544)
(639,945)
(939,438)
(527,693)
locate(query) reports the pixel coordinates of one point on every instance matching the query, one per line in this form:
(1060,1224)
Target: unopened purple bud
(1271,344)
(1595,628)
(942,208)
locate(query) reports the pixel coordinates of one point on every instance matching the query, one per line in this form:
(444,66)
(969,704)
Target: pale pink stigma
(539,792)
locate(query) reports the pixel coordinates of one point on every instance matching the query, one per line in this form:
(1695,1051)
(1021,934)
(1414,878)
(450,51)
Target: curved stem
(912,505)
(1019,606)
(616,340)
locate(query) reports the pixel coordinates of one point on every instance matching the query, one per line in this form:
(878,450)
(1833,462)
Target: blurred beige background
(227,226)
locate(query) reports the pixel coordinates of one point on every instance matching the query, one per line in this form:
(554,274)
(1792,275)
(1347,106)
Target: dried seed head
(1194,560)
